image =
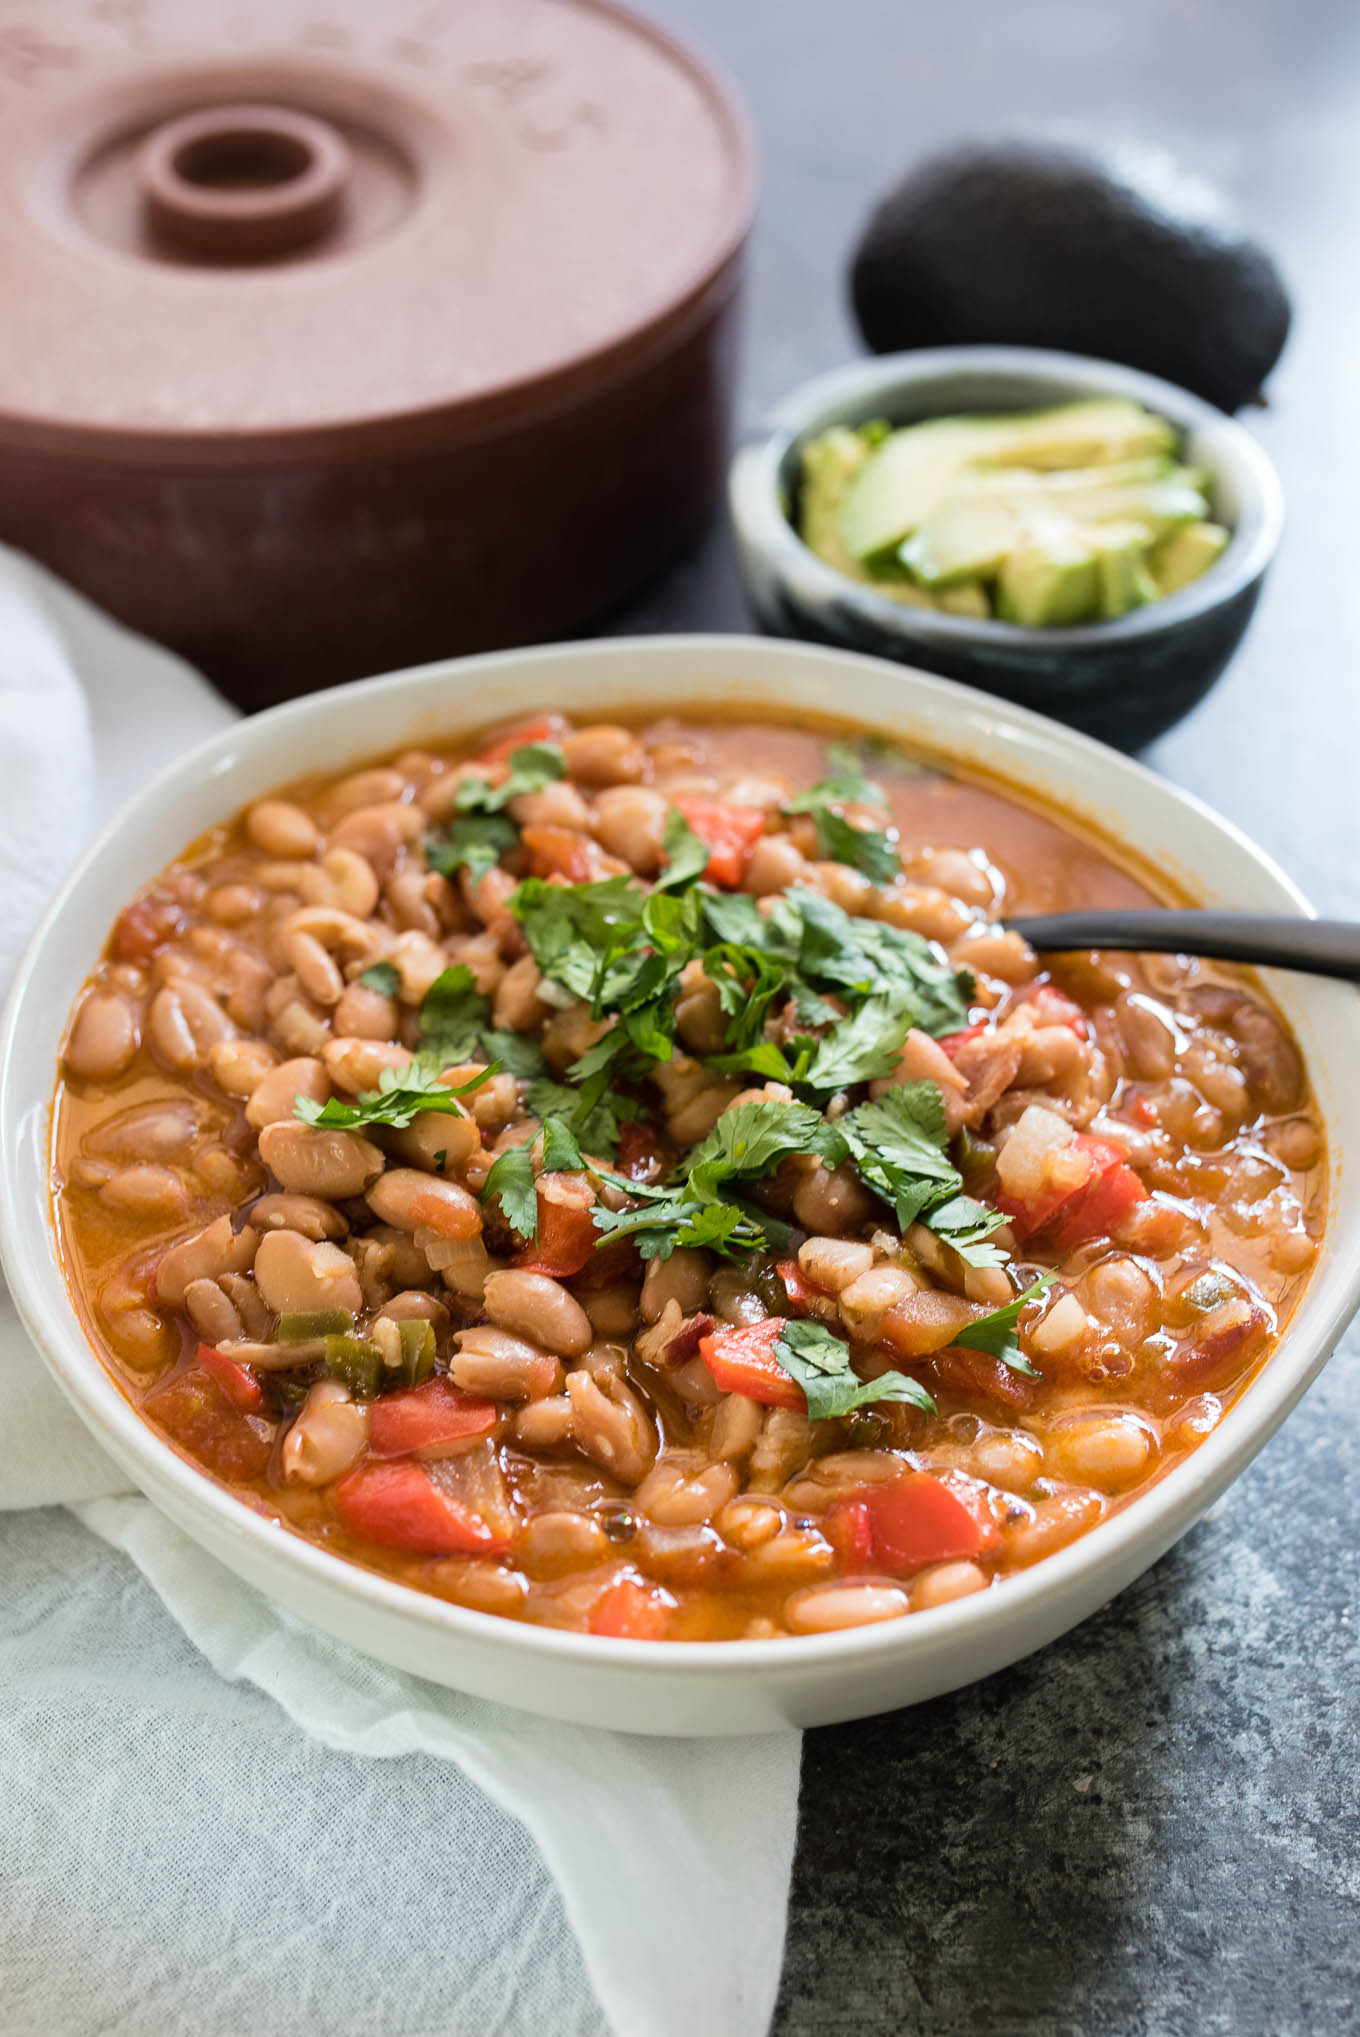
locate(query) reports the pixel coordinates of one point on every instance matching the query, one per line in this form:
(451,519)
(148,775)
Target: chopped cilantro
(561,1154)
(995,1333)
(510,1182)
(402,1094)
(475,843)
(866,849)
(530,768)
(685,852)
(861,1048)
(820,1362)
(452,1014)
(593,1120)
(384,977)
(899,1146)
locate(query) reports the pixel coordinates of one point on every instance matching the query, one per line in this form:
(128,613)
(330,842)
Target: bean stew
(624,1178)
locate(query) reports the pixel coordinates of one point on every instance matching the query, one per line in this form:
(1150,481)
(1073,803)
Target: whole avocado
(1122,256)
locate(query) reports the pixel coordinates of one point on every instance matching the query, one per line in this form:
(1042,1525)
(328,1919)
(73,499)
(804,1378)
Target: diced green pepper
(358,1363)
(299,1326)
(417,1350)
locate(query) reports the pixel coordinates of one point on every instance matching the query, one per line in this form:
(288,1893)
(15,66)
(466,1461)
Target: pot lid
(259,219)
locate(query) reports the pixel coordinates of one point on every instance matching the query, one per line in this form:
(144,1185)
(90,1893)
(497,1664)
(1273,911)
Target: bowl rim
(39,1290)
(756,484)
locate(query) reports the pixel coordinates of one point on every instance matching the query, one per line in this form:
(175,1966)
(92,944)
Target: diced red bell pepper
(544,728)
(1109,1191)
(731,833)
(1050,1007)
(742,1360)
(849,1529)
(951,1042)
(630,1611)
(399,1506)
(801,1291)
(914,1521)
(560,852)
(427,1419)
(202,1418)
(567,1236)
(237,1381)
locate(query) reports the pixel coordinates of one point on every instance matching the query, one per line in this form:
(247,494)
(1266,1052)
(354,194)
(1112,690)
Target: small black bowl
(1126,680)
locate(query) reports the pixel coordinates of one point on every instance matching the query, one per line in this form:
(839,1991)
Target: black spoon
(1321,947)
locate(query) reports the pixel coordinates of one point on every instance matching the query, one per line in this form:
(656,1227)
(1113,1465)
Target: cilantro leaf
(384,977)
(452,1014)
(676,1219)
(587,937)
(685,852)
(749,1141)
(967,1226)
(861,1048)
(866,849)
(820,1362)
(516,1052)
(510,1182)
(402,1094)
(561,1154)
(995,1333)
(899,1148)
(475,843)
(593,1119)
(530,768)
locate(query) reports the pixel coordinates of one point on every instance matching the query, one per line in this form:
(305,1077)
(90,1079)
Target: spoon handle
(1322,947)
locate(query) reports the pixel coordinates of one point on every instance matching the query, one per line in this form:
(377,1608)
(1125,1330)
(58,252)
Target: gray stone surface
(1150,1829)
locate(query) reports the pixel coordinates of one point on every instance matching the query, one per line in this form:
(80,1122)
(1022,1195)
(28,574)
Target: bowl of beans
(551,1167)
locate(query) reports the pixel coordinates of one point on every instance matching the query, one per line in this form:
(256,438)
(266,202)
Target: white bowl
(686,1688)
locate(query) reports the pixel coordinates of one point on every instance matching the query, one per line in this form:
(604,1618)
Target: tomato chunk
(203,1419)
(455,1217)
(850,1530)
(427,1419)
(801,1291)
(914,1521)
(743,1361)
(731,833)
(544,728)
(401,1507)
(237,1381)
(560,852)
(1050,1007)
(1110,1190)
(631,1611)
(951,1042)
(567,1236)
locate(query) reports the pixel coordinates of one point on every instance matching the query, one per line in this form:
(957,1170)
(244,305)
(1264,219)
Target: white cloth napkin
(329,1891)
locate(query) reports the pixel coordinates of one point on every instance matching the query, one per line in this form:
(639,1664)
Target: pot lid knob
(243,183)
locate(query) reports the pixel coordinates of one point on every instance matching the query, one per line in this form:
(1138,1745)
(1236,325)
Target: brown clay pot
(341,338)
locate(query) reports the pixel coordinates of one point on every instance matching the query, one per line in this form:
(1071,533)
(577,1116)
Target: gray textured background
(1151,1827)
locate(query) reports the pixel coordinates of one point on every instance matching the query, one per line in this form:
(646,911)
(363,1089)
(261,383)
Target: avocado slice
(1049,582)
(1121,566)
(899,484)
(1185,554)
(968,598)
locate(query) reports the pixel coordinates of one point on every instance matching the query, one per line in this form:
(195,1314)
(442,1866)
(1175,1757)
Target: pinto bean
(240,1066)
(328,1437)
(281,829)
(610,1425)
(866,1300)
(782,1448)
(544,1424)
(349,882)
(832,1200)
(377,785)
(944,1582)
(366,1014)
(438,1140)
(1050,1524)
(106,1034)
(490,1362)
(205,1255)
(1109,1449)
(604,754)
(554,1544)
(683,1279)
(379,833)
(294,1273)
(306,1214)
(156,1194)
(532,1305)
(212,1312)
(414,1201)
(184,1023)
(272,1099)
(517,1005)
(308,1160)
(630,821)
(826,1609)
(558,805)
(736,1428)
(746,1523)
(680,1490)
(231,905)
(775,863)
(355,1064)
